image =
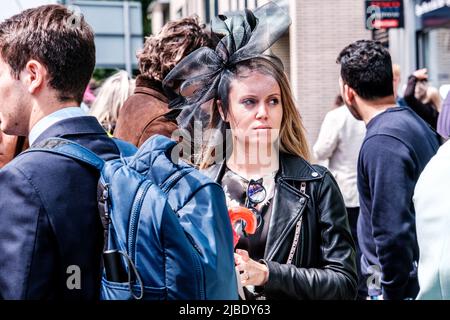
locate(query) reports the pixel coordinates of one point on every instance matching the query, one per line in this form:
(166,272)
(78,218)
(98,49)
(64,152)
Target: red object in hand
(239,214)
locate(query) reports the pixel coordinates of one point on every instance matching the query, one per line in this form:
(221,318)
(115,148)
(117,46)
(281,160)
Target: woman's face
(255,109)
(420,91)
(7,148)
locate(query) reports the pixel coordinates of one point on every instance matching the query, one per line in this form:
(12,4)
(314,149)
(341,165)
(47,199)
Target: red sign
(384,14)
(385,24)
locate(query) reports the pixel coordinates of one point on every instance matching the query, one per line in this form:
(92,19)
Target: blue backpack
(167,224)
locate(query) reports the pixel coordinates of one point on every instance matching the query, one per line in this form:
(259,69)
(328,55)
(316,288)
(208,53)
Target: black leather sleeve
(336,276)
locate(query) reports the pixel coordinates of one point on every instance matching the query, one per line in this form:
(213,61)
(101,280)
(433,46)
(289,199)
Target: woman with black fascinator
(298,245)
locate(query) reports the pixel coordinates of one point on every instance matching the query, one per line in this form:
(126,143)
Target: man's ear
(34,75)
(220,107)
(349,95)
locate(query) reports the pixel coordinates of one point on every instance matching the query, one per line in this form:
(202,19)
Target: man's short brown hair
(56,37)
(176,40)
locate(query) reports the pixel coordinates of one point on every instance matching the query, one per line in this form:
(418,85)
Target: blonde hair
(110,98)
(292,133)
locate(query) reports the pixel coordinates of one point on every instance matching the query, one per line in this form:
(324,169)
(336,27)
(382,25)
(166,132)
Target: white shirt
(51,119)
(432,205)
(337,148)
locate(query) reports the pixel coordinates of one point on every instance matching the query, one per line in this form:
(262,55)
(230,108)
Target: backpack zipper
(134,219)
(105,198)
(134,222)
(199,272)
(166,186)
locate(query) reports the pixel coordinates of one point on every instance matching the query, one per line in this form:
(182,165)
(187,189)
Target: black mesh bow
(198,77)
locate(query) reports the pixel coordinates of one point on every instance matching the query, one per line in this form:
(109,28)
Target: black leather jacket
(323,266)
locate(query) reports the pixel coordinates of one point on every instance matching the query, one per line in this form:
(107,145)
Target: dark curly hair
(176,40)
(366,67)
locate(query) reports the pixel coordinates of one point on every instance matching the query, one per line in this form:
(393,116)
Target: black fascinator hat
(197,78)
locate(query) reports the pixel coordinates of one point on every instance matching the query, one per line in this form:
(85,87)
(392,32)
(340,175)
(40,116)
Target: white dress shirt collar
(51,119)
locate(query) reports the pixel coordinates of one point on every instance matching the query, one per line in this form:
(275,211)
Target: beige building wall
(281,50)
(178,9)
(158,16)
(320,29)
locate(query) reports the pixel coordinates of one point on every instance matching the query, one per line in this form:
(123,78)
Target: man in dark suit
(50,231)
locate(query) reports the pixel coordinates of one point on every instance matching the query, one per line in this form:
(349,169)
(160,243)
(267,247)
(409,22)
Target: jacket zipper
(301,246)
(287,233)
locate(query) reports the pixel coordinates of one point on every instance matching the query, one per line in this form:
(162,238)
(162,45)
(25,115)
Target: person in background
(89,96)
(422,98)
(10,147)
(396,72)
(432,205)
(144,113)
(111,96)
(396,148)
(337,148)
(338,101)
(443,124)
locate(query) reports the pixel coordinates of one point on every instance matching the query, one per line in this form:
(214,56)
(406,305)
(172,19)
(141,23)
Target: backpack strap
(68,149)
(126,149)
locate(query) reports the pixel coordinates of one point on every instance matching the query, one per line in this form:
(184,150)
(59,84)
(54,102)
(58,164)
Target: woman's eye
(274,101)
(248,102)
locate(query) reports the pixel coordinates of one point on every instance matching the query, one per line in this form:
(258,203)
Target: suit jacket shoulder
(50,223)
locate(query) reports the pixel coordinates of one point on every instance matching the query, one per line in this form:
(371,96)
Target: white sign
(426,7)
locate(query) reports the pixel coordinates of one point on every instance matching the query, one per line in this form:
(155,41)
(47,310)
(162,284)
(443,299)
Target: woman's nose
(262,112)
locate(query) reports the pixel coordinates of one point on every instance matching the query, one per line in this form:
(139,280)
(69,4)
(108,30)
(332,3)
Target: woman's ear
(220,107)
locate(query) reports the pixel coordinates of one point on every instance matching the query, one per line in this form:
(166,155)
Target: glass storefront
(433,40)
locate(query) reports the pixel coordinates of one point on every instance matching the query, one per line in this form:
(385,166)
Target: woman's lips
(262,127)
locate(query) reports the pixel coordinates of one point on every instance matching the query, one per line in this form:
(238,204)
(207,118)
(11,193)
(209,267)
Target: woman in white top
(337,148)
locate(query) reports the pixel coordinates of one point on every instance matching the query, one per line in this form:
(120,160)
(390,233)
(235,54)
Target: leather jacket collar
(291,168)
(288,202)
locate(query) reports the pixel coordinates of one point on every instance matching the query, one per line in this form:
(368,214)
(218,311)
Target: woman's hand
(252,272)
(421,74)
